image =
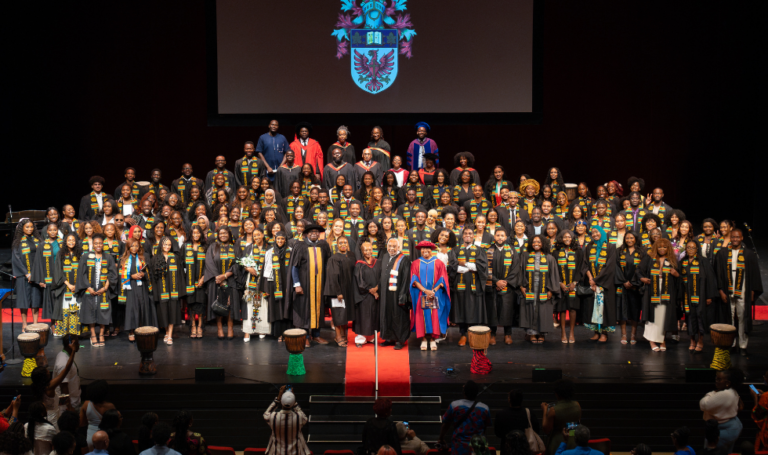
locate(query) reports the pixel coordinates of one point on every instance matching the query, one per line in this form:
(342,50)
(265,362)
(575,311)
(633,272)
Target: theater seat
(409,452)
(339,452)
(253,451)
(602,445)
(221,450)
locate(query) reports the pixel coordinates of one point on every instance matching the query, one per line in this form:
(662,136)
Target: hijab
(602,241)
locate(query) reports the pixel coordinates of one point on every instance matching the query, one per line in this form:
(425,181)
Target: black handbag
(219,309)
(584,291)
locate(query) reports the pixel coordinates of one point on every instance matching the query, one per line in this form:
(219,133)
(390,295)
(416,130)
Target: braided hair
(19,234)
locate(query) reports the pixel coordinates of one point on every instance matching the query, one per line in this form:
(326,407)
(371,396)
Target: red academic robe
(314,155)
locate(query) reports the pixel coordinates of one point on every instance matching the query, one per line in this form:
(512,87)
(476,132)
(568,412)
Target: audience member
(479,445)
(161,433)
(515,417)
(184,440)
(386,450)
(286,424)
(409,440)
(581,436)
(69,421)
(515,443)
(70,384)
(148,421)
(711,438)
(64,443)
(468,421)
(680,439)
(760,416)
(44,385)
(14,442)
(556,416)
(723,404)
(379,430)
(641,449)
(92,409)
(10,415)
(100,441)
(39,430)
(119,441)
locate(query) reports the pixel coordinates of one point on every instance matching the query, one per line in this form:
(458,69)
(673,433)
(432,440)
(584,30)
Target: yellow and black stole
(660,295)
(354,223)
(604,222)
(194,264)
(596,263)
(49,259)
(691,272)
(26,251)
(93,265)
(478,208)
(292,202)
(276,266)
(467,255)
(635,258)
(70,275)
(566,260)
(248,170)
(530,269)
(736,289)
(315,275)
(506,252)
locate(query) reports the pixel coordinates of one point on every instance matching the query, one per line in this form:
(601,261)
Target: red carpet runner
(394,370)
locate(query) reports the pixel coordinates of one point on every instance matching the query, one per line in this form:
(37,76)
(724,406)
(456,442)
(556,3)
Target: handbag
(584,291)
(219,309)
(534,440)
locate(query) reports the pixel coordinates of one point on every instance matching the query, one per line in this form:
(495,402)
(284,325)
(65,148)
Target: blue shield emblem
(374,58)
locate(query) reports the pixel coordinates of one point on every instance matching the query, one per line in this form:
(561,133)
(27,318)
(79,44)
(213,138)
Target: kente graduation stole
(25,250)
(608,210)
(419,191)
(603,222)
(555,188)
(415,234)
(635,258)
(530,269)
(235,224)
(716,243)
(662,210)
(276,271)
(496,190)
(246,168)
(350,223)
(194,261)
(226,256)
(561,212)
(478,208)
(366,196)
(506,252)
(334,194)
(149,223)
(134,202)
(437,190)
(182,186)
(467,254)
(584,202)
(645,239)
(173,269)
(596,264)
(375,246)
(93,266)
(70,273)
(292,202)
(407,214)
(125,276)
(519,248)
(691,272)
(566,260)
(306,185)
(630,221)
(343,209)
(49,259)
(225,173)
(95,202)
(613,237)
(736,290)
(155,190)
(112,247)
(657,297)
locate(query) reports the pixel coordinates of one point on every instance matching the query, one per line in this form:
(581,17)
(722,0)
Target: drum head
(39,327)
(479,329)
(571,185)
(722,328)
(28,337)
(143,183)
(146,330)
(295,333)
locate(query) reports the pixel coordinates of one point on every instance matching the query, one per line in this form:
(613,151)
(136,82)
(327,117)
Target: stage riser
(341,409)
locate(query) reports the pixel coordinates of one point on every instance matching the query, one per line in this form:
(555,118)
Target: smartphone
(406,424)
(754,389)
(571,425)
(288,387)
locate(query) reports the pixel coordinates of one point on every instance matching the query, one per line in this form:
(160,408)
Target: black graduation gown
(28,295)
(354,230)
(629,302)
(698,313)
(752,281)
(461,195)
(140,310)
(339,281)
(244,178)
(181,187)
(137,191)
(366,305)
(423,197)
(166,298)
(194,269)
(332,172)
(536,314)
(95,309)
(341,208)
(502,305)
(229,178)
(474,208)
(284,177)
(394,306)
(453,178)
(313,211)
(415,236)
(43,272)
(565,301)
(347,156)
(670,318)
(275,304)
(508,217)
(306,310)
(605,279)
(213,268)
(383,158)
(116,250)
(435,191)
(468,303)
(408,213)
(85,212)
(60,275)
(360,169)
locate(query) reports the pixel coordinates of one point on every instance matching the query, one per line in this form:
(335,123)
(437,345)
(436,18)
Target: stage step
(336,421)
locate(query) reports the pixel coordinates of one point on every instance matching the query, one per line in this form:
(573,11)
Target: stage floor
(265,360)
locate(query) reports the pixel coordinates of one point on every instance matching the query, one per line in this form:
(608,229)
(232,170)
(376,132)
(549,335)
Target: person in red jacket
(307,150)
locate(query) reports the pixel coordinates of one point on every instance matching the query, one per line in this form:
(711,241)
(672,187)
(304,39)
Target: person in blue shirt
(161,433)
(680,439)
(100,443)
(581,435)
(271,148)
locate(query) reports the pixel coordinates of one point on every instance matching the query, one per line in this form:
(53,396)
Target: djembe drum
(722,336)
(29,344)
(146,343)
(295,340)
(43,330)
(570,191)
(479,337)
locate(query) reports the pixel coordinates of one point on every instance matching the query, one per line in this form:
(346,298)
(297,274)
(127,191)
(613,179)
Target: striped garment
(286,438)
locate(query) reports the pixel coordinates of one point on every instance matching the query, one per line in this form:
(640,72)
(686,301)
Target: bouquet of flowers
(248,261)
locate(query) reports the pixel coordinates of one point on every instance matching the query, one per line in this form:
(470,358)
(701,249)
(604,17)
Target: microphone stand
(754,248)
(13,360)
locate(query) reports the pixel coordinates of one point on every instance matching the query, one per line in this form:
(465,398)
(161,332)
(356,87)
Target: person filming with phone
(557,415)
(581,435)
(285,418)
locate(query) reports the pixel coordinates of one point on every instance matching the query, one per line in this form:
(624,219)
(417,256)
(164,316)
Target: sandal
(169,342)
(101,341)
(699,347)
(571,339)
(564,340)
(94,342)
(424,345)
(655,349)
(623,339)
(632,340)
(131,339)
(663,347)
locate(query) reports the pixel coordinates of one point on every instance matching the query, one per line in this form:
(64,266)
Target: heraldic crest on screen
(374,34)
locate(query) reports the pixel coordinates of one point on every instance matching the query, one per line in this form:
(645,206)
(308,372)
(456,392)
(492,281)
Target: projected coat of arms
(374,34)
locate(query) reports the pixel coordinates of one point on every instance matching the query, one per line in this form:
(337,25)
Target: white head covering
(288,400)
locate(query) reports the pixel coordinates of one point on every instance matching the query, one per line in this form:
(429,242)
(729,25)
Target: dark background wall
(674,93)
